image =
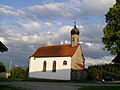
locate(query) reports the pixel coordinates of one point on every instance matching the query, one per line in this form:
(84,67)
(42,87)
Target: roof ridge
(55,45)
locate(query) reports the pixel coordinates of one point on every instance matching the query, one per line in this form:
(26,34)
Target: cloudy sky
(27,24)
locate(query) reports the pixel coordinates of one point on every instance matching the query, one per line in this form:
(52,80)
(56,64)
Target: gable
(55,51)
(78,59)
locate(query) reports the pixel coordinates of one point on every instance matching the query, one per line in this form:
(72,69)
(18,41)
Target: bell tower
(74,36)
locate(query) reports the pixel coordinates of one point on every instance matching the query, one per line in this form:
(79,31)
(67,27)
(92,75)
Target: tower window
(65,62)
(54,66)
(73,39)
(44,66)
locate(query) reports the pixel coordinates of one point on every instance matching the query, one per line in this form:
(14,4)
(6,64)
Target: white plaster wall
(63,72)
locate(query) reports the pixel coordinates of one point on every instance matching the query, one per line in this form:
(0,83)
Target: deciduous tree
(111,38)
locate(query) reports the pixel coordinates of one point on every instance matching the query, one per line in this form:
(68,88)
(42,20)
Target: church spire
(75,30)
(74,36)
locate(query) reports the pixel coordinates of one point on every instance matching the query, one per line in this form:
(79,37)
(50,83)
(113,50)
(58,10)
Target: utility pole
(10,64)
(9,70)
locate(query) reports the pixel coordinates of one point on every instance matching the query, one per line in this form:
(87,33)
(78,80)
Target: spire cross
(75,23)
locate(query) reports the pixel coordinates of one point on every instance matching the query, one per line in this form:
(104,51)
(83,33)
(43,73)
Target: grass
(5,87)
(100,88)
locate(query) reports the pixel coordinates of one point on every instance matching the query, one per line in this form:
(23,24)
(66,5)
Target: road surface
(54,85)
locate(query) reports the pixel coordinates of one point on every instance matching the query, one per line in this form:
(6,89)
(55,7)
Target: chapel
(59,62)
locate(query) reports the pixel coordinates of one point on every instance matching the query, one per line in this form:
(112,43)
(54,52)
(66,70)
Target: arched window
(65,62)
(44,66)
(54,66)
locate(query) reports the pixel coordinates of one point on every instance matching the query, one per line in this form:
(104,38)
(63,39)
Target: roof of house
(116,59)
(3,48)
(55,51)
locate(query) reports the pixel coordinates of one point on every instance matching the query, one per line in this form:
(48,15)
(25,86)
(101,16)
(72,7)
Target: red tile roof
(80,65)
(55,51)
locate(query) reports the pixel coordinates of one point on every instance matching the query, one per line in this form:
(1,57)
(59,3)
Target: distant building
(3,48)
(60,62)
(117,59)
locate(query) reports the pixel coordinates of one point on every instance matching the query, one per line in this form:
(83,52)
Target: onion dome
(75,30)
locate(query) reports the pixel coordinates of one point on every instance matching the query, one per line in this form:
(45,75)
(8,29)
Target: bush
(18,72)
(2,67)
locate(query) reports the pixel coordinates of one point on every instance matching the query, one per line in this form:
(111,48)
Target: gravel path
(54,86)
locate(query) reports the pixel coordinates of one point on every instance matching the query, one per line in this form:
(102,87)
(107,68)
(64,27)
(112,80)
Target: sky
(26,25)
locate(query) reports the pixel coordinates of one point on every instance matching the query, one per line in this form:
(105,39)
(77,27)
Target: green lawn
(101,88)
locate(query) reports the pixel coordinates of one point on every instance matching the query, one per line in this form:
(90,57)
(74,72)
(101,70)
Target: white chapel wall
(63,72)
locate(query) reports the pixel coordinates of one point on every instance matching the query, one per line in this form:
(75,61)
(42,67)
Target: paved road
(41,85)
(54,86)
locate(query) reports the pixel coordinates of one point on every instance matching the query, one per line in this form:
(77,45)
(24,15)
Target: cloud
(4,31)
(24,29)
(10,12)
(105,60)
(62,10)
(29,26)
(2,39)
(96,7)
(25,44)
(92,33)
(93,50)
(68,10)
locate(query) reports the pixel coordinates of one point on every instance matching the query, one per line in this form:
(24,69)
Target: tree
(111,38)
(2,67)
(97,72)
